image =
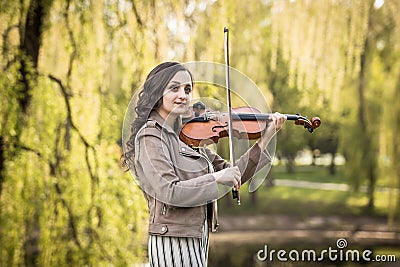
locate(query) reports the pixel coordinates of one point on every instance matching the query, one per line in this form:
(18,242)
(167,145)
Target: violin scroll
(310,125)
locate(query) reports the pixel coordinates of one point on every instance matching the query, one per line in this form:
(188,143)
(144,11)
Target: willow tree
(330,47)
(387,78)
(22,40)
(69,69)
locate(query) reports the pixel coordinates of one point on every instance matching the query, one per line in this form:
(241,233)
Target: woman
(181,183)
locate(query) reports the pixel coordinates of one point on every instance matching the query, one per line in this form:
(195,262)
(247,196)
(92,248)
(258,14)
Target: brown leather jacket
(177,180)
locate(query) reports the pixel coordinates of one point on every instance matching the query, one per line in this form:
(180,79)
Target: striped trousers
(166,251)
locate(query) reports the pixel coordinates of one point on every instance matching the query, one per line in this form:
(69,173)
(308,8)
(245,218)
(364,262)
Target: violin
(207,127)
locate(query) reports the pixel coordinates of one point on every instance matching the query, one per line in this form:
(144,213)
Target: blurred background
(69,69)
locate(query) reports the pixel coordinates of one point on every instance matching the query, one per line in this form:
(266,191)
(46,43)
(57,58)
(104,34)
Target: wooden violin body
(247,122)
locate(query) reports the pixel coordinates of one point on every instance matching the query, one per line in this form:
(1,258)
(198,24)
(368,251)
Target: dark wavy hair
(150,99)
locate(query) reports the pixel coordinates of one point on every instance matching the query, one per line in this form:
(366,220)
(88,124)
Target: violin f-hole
(218,126)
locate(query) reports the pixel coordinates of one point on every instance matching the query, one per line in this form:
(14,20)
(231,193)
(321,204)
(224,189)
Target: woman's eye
(176,88)
(188,89)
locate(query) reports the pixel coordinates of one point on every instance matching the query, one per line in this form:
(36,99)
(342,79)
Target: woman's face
(177,95)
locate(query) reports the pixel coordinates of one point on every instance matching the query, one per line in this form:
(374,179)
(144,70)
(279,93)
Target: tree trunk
(30,41)
(2,161)
(332,166)
(290,163)
(371,187)
(31,37)
(394,218)
(368,139)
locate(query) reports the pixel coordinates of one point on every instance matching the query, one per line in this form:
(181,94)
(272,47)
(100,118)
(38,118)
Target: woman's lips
(181,104)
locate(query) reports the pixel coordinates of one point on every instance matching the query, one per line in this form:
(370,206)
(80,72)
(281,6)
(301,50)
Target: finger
(274,122)
(280,120)
(237,177)
(237,182)
(283,120)
(237,185)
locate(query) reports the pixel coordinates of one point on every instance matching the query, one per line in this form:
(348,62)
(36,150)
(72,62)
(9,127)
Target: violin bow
(235,192)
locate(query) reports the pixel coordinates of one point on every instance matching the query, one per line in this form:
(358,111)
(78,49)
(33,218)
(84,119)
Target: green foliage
(64,199)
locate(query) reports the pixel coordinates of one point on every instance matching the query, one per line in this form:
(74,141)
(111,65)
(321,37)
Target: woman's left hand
(274,125)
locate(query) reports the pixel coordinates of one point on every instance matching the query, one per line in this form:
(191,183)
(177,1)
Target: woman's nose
(182,93)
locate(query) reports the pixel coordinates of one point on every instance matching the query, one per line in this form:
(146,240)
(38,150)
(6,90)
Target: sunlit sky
(379,3)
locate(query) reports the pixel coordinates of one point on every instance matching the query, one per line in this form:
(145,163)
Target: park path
(322,186)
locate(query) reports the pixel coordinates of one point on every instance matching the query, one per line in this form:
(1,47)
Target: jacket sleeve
(158,178)
(249,163)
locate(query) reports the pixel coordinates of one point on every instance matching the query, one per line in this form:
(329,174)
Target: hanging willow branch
(54,166)
(74,52)
(88,147)
(137,16)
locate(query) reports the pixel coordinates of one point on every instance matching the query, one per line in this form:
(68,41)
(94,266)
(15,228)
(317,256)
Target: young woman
(181,183)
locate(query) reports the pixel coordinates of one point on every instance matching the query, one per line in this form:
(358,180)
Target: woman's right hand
(229,176)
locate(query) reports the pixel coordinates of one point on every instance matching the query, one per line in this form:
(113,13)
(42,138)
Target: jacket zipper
(164,209)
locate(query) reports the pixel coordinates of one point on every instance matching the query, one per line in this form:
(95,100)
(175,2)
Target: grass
(305,201)
(310,173)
